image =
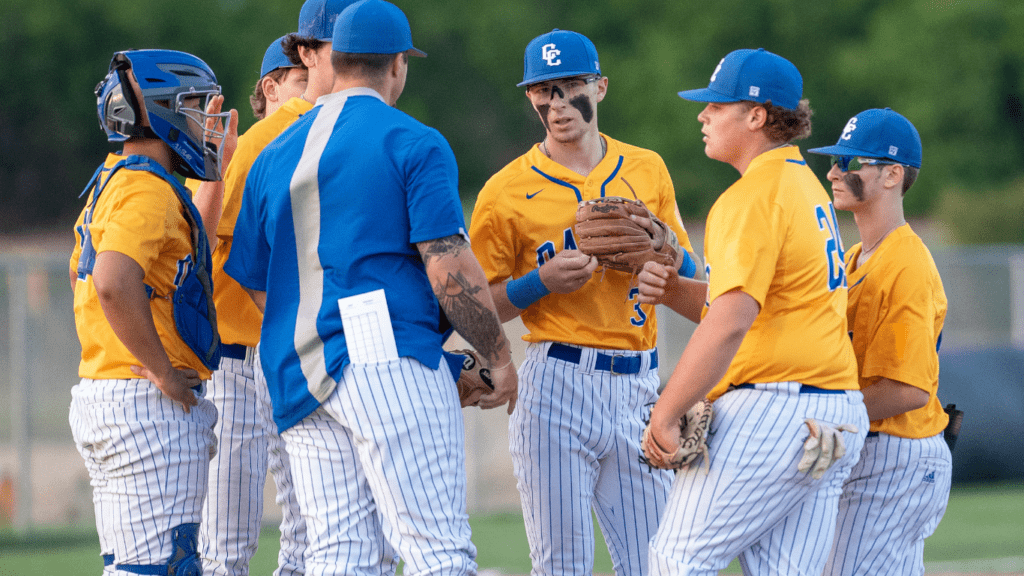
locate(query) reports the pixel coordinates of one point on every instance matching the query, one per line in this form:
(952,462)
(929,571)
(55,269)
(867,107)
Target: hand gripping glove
(474,381)
(823,447)
(605,230)
(693,429)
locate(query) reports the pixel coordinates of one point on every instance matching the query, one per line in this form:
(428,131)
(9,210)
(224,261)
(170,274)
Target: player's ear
(757,116)
(894,176)
(307,55)
(269,88)
(602,88)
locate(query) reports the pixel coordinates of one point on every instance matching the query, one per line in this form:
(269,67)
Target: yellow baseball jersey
(896,310)
(773,235)
(525,214)
(139,215)
(238,319)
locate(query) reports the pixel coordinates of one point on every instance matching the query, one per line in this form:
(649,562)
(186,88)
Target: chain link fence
(43,481)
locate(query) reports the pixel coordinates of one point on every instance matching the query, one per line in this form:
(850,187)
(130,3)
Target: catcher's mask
(176,88)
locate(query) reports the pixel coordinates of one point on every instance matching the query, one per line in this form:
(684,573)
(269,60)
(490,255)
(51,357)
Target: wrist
(524,291)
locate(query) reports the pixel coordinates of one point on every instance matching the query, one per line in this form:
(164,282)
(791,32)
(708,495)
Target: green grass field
(980,523)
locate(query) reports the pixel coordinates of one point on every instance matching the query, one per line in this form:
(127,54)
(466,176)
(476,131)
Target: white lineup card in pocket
(368,333)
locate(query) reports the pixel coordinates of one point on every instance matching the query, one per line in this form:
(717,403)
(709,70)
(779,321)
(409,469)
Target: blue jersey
(333,208)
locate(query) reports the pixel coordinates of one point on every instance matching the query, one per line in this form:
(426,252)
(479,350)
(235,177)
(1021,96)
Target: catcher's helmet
(166,78)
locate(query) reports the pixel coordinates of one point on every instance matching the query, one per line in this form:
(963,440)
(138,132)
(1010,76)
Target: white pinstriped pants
(248,443)
(575,444)
(147,461)
(380,472)
(894,499)
(754,504)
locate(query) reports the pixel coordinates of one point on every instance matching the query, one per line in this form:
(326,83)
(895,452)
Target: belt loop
(588,360)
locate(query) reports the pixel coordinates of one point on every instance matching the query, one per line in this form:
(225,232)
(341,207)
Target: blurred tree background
(954,68)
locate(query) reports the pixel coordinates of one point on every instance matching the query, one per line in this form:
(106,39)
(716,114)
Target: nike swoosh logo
(528,195)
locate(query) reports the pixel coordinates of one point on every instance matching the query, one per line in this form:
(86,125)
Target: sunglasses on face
(854,163)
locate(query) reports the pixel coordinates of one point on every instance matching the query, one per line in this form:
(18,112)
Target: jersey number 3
(833,246)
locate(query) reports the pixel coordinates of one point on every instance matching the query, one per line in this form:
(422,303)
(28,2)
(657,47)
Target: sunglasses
(854,163)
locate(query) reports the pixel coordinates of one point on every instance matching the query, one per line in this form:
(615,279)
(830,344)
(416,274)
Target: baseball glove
(604,229)
(474,381)
(824,445)
(693,428)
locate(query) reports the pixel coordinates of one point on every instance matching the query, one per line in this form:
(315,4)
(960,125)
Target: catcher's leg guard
(184,560)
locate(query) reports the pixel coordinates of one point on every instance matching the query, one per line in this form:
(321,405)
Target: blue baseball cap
(756,75)
(373,27)
(317,17)
(275,58)
(559,54)
(878,133)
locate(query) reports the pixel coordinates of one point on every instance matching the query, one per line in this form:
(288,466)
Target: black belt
(873,434)
(236,351)
(804,389)
(616,364)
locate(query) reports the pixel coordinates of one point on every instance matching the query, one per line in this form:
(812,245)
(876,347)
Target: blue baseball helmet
(753,75)
(166,79)
(878,133)
(275,58)
(559,54)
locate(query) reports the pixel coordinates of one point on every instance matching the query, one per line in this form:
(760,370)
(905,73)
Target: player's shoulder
(137,191)
(633,153)
(908,252)
(521,171)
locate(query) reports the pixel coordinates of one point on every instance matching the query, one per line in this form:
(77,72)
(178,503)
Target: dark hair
(258,100)
(909,177)
(370,66)
(784,125)
(290,46)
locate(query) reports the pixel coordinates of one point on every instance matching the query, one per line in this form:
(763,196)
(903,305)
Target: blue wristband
(526,290)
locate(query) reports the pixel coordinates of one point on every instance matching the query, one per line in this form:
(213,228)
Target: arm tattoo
(474,321)
(450,246)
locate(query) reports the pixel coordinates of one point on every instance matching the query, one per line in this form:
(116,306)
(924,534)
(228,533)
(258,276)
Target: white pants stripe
(894,499)
(147,461)
(379,472)
(575,444)
(754,504)
(248,443)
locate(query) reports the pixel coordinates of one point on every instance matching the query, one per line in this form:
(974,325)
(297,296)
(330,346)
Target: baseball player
(351,238)
(898,490)
(591,367)
(144,313)
(771,350)
(248,441)
(280,81)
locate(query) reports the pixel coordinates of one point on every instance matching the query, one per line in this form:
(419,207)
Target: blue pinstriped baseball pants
(754,504)
(575,444)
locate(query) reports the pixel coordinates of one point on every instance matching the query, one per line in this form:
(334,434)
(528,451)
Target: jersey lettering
(641,317)
(833,246)
(568,240)
(545,252)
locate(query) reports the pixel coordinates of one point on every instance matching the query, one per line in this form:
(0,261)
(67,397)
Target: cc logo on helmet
(849,128)
(549,53)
